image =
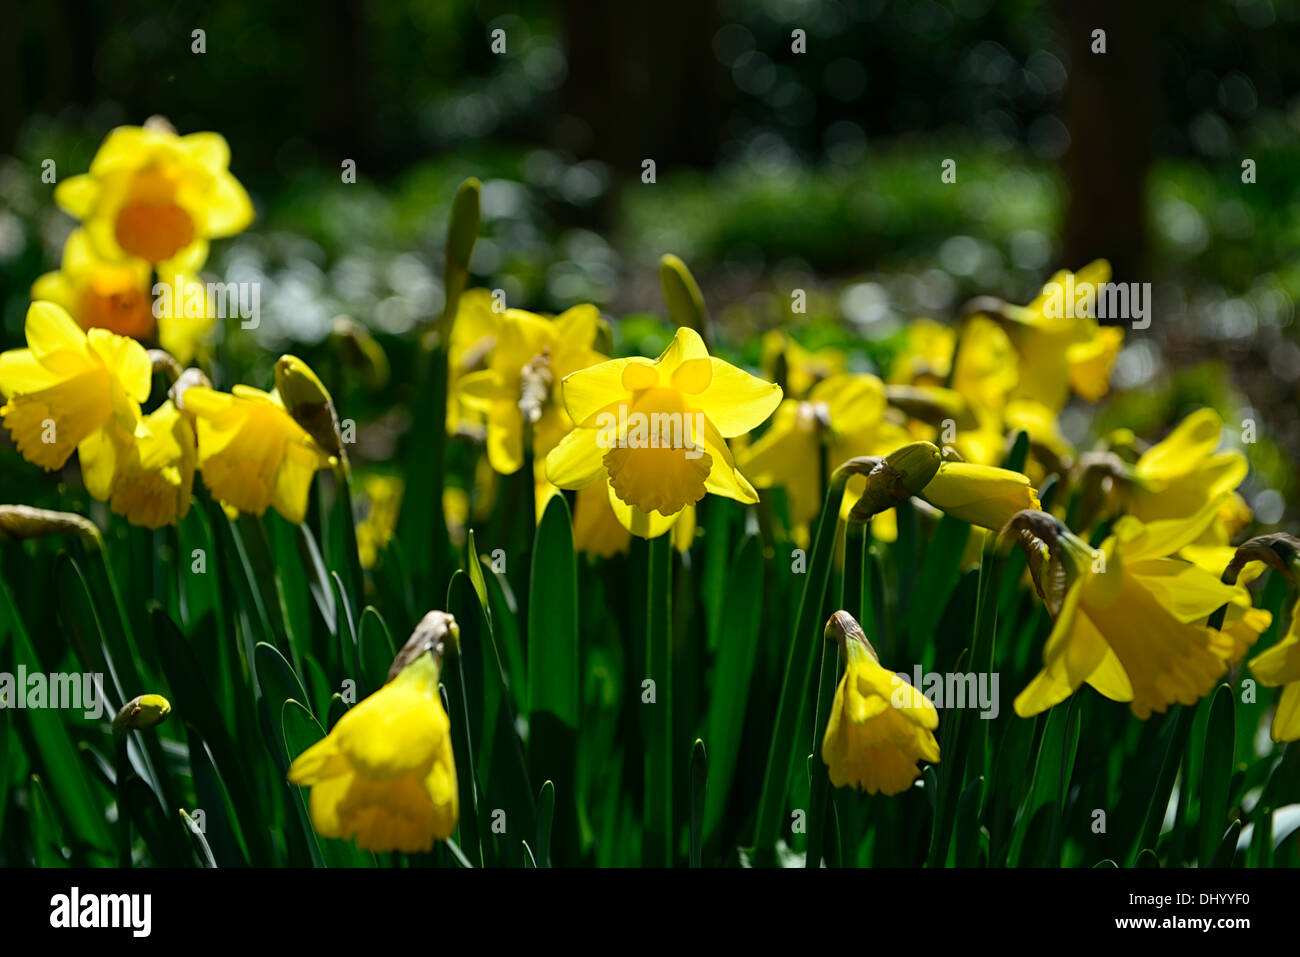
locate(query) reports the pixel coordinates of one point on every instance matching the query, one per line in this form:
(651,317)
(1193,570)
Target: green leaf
(1227,849)
(553,618)
(545,818)
(553,669)
(698,795)
(1216,771)
(659,843)
(192,703)
(683,298)
(375,647)
(738,627)
(796,680)
(199,841)
(55,753)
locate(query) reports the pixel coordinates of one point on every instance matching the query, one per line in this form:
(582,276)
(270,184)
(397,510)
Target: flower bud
(23,521)
(143,711)
(309,402)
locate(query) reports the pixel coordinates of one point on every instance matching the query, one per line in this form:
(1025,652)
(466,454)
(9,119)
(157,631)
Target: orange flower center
(112,301)
(151,224)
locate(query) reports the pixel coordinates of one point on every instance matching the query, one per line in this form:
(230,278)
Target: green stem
(820,788)
(658,662)
(798,676)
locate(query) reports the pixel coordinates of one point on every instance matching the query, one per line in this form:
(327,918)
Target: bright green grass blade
(375,646)
(820,784)
(349,645)
(192,703)
(699,776)
(657,714)
(463,699)
(1216,772)
(56,754)
(553,669)
(545,821)
(503,787)
(1226,852)
(318,580)
(199,841)
(1180,728)
(47,841)
(796,680)
(1046,795)
(936,581)
(737,649)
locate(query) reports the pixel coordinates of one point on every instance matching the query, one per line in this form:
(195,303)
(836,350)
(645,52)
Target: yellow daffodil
(784,360)
(985,372)
(156,196)
(926,356)
(1280,665)
(252,452)
(383,494)
(1242,627)
(385,775)
(473,337)
(1179,476)
(155,479)
(597,530)
(1127,622)
(879,725)
(980,494)
(843,416)
(73,390)
(1063,350)
(521,382)
(655,431)
(1213,549)
(117,295)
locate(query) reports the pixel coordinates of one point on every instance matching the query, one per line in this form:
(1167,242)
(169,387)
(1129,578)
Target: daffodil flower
(252,452)
(1280,665)
(1179,476)
(842,417)
(155,478)
(980,494)
(1060,353)
(532,354)
(926,356)
(799,369)
(473,337)
(879,725)
(117,295)
(72,390)
(159,197)
(1129,620)
(383,495)
(655,431)
(385,775)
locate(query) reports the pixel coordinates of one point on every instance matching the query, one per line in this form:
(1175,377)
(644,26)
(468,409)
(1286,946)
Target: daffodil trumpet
(878,726)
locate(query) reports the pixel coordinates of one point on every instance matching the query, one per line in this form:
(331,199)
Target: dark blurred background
(775,169)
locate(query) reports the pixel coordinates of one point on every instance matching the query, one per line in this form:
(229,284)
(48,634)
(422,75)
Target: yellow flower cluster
(149,205)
